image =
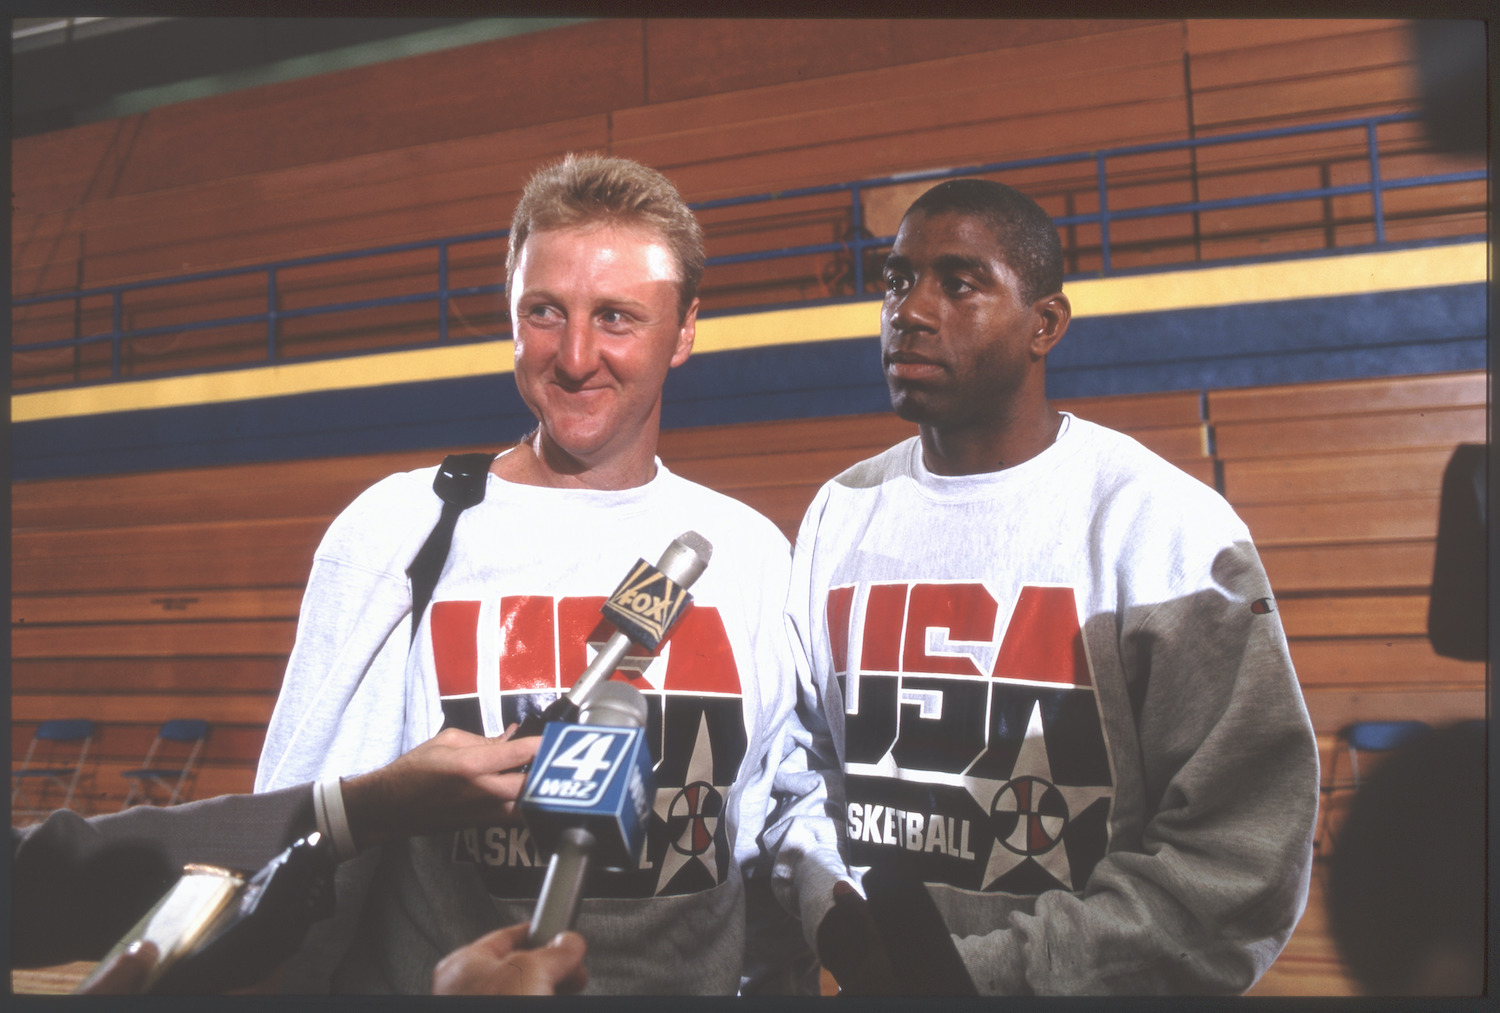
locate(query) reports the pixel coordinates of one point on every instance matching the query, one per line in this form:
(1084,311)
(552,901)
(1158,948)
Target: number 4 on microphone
(594,777)
(585,755)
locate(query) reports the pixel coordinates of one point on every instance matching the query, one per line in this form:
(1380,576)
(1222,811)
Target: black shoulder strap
(459,484)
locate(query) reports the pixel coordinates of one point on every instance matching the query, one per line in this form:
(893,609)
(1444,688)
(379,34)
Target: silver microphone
(683,562)
(620,705)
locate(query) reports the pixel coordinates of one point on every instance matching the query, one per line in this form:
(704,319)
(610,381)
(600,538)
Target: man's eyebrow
(605,299)
(952,263)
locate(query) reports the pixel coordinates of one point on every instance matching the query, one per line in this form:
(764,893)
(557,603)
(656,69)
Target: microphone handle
(562,709)
(602,667)
(566,707)
(562,890)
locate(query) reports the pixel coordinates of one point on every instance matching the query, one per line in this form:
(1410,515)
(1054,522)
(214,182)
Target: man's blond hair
(601,189)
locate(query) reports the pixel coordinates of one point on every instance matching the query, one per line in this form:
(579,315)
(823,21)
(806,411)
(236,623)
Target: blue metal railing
(853,247)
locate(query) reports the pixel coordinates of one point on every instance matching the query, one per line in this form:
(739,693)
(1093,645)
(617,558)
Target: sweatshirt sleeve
(341,706)
(805,835)
(1205,896)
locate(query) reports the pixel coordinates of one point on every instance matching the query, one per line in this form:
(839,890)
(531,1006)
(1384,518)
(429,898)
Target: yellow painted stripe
(717,334)
(788,327)
(271,381)
(1170,290)
(1323,278)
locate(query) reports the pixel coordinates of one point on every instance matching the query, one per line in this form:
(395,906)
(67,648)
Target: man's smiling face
(595,311)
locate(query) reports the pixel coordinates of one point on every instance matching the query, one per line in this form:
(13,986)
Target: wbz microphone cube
(594,777)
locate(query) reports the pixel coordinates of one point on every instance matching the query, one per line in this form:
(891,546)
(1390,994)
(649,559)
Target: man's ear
(685,335)
(1052,315)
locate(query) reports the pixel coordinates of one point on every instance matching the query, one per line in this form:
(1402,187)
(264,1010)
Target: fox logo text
(645,605)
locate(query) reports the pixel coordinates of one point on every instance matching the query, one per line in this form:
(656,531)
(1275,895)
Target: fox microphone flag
(587,800)
(643,608)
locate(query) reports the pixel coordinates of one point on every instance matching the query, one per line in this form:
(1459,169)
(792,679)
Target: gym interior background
(257,265)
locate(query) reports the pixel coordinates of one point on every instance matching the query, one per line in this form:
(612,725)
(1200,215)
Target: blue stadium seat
(181,738)
(1361,737)
(54,759)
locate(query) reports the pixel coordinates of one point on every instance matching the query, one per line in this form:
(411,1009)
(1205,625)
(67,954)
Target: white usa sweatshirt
(1061,694)
(512,620)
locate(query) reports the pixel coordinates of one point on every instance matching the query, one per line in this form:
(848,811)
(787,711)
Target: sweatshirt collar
(957,487)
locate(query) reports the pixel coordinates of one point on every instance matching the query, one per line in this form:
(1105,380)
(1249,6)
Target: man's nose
(916,308)
(578,350)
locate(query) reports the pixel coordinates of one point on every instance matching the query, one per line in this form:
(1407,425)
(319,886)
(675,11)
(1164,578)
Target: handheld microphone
(218,930)
(643,609)
(587,801)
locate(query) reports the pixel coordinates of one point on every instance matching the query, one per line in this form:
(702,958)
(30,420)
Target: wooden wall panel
(260,185)
(1142,65)
(204,555)
(1336,476)
(1269,73)
(1412,394)
(241,492)
(440,144)
(688,58)
(1347,565)
(1224,35)
(166,675)
(137,598)
(1339,483)
(483,88)
(1253,74)
(426,171)
(1237,54)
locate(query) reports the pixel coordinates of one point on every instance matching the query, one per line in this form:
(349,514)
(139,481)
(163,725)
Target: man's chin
(912,408)
(571,450)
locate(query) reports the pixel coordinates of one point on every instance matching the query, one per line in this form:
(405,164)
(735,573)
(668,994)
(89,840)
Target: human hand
(849,945)
(495,964)
(453,781)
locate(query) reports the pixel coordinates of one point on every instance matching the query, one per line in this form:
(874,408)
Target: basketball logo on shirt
(973,743)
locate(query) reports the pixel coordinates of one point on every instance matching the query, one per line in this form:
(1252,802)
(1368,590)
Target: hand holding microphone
(500,964)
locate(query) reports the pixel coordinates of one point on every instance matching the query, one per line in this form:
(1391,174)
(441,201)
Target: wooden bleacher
(138,598)
(1339,483)
(297,169)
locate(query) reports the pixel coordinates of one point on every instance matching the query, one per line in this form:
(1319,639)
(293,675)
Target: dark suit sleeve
(79,884)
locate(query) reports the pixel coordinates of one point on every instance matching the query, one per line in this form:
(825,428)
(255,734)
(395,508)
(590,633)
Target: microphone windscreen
(650,600)
(615,703)
(693,551)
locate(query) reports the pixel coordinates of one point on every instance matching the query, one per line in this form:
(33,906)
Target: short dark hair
(1024,231)
(586,190)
